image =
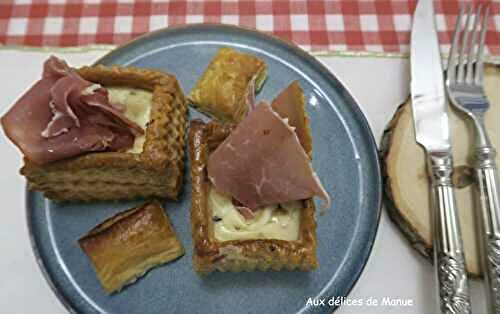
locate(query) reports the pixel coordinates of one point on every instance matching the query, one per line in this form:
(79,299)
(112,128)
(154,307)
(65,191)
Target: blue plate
(345,157)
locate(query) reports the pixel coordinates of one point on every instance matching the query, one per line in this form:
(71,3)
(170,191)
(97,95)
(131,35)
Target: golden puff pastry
(211,254)
(228,85)
(290,104)
(127,245)
(152,168)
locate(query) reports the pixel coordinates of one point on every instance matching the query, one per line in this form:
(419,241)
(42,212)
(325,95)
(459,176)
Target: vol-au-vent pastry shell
(125,246)
(211,254)
(229,82)
(153,167)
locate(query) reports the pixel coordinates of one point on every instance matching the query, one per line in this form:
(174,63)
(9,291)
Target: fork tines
(466,50)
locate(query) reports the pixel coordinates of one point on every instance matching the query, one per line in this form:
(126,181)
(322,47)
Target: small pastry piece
(290,104)
(127,245)
(284,238)
(226,89)
(151,167)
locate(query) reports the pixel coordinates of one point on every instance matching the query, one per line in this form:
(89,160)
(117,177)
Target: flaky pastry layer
(223,89)
(125,246)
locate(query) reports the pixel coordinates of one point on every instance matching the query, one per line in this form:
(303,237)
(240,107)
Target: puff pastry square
(239,255)
(125,246)
(155,171)
(223,90)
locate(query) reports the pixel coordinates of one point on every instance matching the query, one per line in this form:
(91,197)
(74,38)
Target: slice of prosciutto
(262,162)
(246,212)
(62,115)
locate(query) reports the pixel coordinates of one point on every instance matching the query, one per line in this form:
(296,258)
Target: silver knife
(429,106)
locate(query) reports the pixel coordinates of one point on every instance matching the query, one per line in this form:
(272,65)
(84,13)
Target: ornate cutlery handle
(488,185)
(448,252)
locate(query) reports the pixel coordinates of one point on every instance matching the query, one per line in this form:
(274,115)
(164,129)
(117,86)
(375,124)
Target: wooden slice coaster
(405,176)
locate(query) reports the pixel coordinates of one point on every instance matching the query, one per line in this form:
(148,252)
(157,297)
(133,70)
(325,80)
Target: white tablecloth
(394,269)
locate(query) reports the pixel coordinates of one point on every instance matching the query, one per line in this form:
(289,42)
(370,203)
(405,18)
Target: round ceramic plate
(345,158)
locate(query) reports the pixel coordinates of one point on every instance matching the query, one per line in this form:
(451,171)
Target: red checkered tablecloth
(370,25)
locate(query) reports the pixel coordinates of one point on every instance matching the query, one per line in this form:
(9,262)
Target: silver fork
(464,83)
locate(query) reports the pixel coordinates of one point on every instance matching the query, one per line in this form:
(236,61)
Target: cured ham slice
(62,115)
(246,212)
(55,68)
(99,101)
(262,162)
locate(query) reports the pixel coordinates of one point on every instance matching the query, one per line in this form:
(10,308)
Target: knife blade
(427,83)
(429,107)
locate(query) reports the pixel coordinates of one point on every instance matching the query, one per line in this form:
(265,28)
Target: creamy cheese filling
(138,104)
(269,222)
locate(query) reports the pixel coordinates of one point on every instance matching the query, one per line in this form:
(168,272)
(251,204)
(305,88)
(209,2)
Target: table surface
(369,25)
(394,269)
